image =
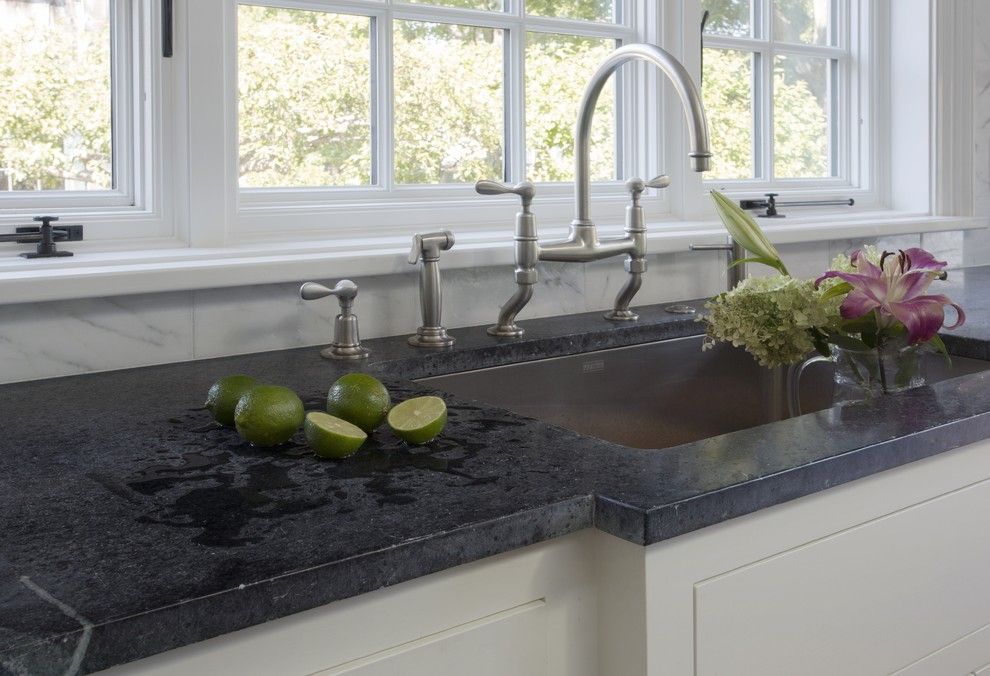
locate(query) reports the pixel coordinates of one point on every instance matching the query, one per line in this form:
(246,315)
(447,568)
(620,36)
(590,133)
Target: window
(774,77)
(399,100)
(74,133)
(280,121)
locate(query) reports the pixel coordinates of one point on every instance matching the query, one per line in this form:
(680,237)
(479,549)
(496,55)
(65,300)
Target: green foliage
(55,117)
(448,103)
(304,98)
(728,94)
(305,103)
(552,100)
(727,17)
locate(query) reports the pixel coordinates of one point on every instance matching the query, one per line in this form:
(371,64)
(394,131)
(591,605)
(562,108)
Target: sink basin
(656,395)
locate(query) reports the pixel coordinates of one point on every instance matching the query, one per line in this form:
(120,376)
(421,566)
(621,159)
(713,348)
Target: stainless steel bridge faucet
(582,243)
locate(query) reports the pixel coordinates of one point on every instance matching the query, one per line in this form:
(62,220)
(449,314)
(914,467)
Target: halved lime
(331,437)
(418,420)
(359,399)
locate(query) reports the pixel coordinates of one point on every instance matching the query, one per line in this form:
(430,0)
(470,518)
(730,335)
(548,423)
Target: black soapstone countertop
(131,524)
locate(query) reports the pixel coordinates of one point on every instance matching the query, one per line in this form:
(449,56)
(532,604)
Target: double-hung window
(782,85)
(81,113)
(349,106)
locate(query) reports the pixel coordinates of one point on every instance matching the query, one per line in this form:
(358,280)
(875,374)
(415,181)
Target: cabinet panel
(960,657)
(511,642)
(867,600)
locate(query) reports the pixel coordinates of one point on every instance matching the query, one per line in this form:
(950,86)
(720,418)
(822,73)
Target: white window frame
(320,213)
(859,47)
(138,211)
(189,149)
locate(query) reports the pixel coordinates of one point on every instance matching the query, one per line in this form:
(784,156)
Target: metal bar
(167,29)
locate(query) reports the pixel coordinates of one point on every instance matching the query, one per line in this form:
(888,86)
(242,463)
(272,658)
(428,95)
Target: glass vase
(893,366)
(860,375)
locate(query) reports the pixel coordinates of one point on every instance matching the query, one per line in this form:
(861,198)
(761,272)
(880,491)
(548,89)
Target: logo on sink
(593,366)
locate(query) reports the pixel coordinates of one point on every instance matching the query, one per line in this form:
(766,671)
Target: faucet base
(345,352)
(431,336)
(621,316)
(507,331)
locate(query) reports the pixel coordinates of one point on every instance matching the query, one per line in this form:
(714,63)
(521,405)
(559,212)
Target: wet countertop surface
(132,524)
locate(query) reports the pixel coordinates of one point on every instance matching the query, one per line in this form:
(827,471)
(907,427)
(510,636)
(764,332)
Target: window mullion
(383,102)
(514,88)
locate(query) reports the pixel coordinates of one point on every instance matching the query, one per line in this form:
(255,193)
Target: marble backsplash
(59,338)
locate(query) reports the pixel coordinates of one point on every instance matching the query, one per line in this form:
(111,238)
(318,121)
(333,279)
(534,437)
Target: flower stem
(881,367)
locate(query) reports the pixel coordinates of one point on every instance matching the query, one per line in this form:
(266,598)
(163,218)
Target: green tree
(55,120)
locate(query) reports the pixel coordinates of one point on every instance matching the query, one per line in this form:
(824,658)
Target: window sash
(382,13)
(841,102)
(126,136)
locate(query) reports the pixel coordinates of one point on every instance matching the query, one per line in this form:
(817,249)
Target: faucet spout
(694,110)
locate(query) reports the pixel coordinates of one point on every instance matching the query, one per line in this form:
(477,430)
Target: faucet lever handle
(345,291)
(636,186)
(417,249)
(525,190)
(658,182)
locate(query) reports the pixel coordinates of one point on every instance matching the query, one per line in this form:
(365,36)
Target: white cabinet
(530,612)
(887,574)
(867,600)
(510,642)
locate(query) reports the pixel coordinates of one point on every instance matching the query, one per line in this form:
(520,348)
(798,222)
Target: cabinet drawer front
(511,642)
(872,599)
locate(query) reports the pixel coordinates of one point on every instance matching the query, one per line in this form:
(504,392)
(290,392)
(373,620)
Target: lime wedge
(331,437)
(418,420)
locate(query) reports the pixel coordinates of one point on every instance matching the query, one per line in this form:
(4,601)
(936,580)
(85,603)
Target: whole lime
(268,415)
(223,397)
(418,420)
(359,399)
(331,437)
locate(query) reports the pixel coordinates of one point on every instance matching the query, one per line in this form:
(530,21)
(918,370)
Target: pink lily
(896,290)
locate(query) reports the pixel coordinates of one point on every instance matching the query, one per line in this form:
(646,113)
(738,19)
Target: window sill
(116,273)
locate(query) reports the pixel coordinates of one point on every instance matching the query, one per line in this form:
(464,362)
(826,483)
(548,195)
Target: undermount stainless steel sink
(656,395)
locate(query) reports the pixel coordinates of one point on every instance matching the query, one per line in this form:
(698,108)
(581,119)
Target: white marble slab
(43,340)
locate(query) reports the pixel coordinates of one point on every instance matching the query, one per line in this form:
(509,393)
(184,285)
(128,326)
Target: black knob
(45,220)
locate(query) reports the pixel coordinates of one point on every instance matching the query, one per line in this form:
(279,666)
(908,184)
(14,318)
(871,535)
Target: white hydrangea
(771,317)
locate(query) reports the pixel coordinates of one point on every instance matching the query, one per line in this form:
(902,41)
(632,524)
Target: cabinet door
(871,599)
(510,642)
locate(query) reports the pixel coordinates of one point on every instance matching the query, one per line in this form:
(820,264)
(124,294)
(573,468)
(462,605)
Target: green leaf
(774,263)
(848,342)
(937,342)
(859,324)
(837,290)
(745,231)
(821,342)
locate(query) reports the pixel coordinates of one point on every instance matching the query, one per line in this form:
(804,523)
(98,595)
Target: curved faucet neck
(690,98)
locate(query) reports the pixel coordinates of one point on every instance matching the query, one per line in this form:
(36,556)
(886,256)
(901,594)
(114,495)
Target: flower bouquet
(870,312)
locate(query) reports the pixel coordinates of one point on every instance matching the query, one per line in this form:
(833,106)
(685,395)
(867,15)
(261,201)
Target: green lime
(332,437)
(418,420)
(360,400)
(223,397)
(268,415)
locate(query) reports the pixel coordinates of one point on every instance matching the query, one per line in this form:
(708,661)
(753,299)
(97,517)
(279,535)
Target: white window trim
(861,157)
(285,214)
(203,252)
(142,205)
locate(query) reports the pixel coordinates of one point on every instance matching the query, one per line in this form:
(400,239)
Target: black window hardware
(46,236)
(167,29)
(771,204)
